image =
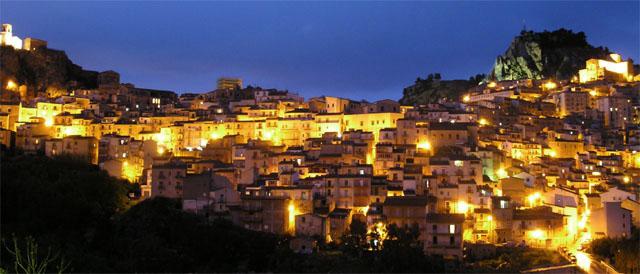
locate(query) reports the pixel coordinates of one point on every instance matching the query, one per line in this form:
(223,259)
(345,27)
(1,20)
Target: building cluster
(7,38)
(533,162)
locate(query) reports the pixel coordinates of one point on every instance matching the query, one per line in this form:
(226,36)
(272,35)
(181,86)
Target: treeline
(561,38)
(623,254)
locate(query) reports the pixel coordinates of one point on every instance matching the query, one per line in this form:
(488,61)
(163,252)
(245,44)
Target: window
(435,228)
(435,240)
(451,240)
(452,229)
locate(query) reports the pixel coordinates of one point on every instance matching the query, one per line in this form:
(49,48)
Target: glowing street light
(501,173)
(11,85)
(550,85)
(492,85)
(626,179)
(466,98)
(483,122)
(425,145)
(537,234)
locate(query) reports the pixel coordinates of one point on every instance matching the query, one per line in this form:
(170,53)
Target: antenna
(524,25)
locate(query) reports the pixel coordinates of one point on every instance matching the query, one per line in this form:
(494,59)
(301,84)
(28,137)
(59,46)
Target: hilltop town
(549,163)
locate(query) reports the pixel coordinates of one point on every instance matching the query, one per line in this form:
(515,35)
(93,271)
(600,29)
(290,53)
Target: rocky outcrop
(43,68)
(538,55)
(430,90)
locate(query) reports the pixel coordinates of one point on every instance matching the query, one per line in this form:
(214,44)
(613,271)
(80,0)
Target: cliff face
(558,54)
(42,69)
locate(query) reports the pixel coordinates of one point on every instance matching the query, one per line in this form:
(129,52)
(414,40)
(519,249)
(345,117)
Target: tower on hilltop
(7,38)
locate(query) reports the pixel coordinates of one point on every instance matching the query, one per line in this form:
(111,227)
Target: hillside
(425,91)
(532,55)
(538,55)
(43,68)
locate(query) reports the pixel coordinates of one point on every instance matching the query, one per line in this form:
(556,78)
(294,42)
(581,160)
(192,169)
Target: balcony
(252,219)
(252,208)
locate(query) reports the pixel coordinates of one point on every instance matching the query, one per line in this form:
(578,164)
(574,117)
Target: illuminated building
(444,235)
(612,69)
(568,102)
(167,179)
(85,147)
(229,83)
(617,111)
(611,220)
(7,38)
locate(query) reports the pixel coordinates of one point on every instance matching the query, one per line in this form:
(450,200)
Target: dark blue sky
(358,50)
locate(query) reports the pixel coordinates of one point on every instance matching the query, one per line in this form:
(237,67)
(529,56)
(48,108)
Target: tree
(31,262)
(437,76)
(354,241)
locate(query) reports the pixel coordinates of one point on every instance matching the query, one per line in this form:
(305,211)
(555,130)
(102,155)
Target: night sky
(358,50)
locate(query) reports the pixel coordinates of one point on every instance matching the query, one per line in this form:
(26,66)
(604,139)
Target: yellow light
(466,98)
(268,135)
(492,84)
(214,135)
(593,93)
(483,122)
(48,122)
(160,150)
(203,142)
(552,153)
(630,78)
(583,222)
(463,207)
(126,163)
(490,218)
(537,234)
(550,85)
(365,210)
(502,173)
(425,145)
(11,85)
(588,212)
(292,218)
(533,198)
(626,179)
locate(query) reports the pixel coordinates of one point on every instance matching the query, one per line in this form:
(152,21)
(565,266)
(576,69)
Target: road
(586,262)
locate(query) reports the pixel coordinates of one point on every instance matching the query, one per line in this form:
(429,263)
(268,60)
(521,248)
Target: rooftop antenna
(524,25)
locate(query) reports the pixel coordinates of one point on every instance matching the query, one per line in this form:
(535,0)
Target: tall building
(229,83)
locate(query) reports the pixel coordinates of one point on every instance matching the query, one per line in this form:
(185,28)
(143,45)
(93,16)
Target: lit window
(452,229)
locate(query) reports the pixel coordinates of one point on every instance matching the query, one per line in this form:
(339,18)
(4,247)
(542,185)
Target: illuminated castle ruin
(7,38)
(612,69)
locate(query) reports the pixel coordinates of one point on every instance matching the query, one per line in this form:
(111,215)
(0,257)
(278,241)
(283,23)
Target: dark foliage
(622,253)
